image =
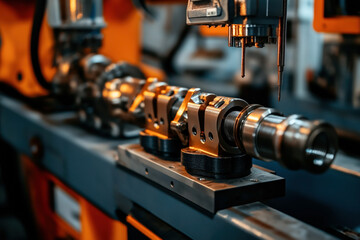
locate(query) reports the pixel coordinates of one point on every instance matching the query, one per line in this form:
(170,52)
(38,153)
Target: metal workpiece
(251,35)
(119,70)
(112,106)
(217,136)
(158,107)
(76,69)
(209,194)
(76,62)
(205,122)
(66,80)
(93,65)
(295,142)
(209,154)
(179,115)
(158,136)
(77,28)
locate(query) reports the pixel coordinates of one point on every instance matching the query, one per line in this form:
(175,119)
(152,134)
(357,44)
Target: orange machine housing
(340,24)
(121,42)
(95,225)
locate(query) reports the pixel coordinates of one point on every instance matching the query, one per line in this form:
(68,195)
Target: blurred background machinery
(80,80)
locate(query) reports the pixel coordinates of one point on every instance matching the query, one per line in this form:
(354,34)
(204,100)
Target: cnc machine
(97,144)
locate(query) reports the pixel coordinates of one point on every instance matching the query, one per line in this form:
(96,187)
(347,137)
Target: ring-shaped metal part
(239,122)
(279,134)
(250,129)
(236,103)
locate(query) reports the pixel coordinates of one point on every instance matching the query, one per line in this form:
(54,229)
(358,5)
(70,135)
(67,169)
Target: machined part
(311,145)
(94,65)
(123,99)
(158,105)
(158,136)
(120,70)
(150,84)
(293,141)
(111,91)
(205,123)
(66,79)
(125,93)
(201,164)
(252,30)
(165,147)
(105,100)
(179,123)
(249,129)
(250,23)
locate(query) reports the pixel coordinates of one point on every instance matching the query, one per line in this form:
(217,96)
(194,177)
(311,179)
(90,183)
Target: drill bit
(280,58)
(281,48)
(279,82)
(242,57)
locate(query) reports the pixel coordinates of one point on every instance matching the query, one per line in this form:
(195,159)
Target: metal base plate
(209,194)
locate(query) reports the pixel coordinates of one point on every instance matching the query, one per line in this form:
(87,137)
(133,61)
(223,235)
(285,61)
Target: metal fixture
(217,136)
(251,23)
(110,102)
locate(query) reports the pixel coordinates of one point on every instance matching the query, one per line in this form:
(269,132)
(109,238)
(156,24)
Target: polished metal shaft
(243,57)
(293,141)
(281,47)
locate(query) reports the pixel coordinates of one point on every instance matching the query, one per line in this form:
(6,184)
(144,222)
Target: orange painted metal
(213,31)
(122,33)
(121,42)
(95,225)
(136,224)
(341,24)
(15,28)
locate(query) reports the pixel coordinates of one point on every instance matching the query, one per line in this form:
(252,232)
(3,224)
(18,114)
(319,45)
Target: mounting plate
(209,194)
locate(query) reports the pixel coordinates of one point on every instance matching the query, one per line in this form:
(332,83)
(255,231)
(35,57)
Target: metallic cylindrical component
(75,14)
(293,141)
